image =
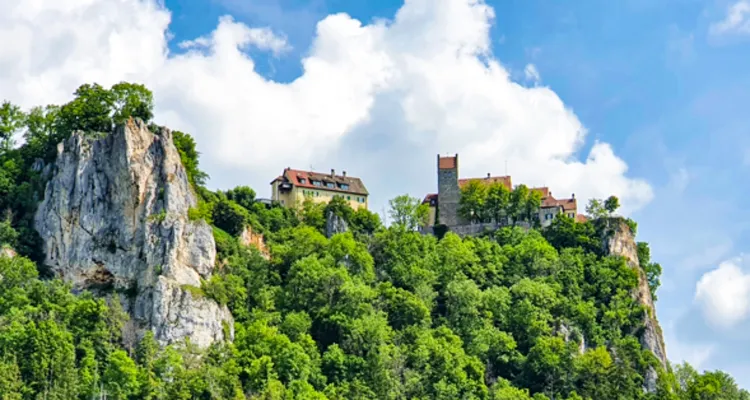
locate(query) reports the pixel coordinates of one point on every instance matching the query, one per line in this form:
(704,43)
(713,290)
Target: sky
(646,100)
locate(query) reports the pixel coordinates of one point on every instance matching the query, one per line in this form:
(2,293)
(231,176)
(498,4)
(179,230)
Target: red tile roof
(581,218)
(566,204)
(429,198)
(447,162)
(543,190)
(505,180)
(297,177)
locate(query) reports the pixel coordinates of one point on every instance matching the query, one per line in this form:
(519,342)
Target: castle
(444,204)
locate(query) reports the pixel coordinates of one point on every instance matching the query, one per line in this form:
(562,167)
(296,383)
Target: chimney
(488,175)
(343,173)
(574,195)
(333,172)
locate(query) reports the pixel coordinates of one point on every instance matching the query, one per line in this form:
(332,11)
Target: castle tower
(448,191)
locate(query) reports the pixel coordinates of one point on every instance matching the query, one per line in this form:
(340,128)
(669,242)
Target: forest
(377,312)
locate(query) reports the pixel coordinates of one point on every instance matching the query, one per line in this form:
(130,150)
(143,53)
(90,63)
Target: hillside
(119,271)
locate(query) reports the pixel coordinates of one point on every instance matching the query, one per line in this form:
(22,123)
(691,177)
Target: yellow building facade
(292,187)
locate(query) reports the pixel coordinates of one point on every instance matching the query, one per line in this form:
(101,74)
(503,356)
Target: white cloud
(262,38)
(380,99)
(737,20)
(724,294)
(532,74)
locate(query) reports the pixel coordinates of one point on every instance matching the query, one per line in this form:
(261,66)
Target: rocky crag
(114,219)
(619,241)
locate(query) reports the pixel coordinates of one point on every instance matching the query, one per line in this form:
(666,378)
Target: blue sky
(639,98)
(646,77)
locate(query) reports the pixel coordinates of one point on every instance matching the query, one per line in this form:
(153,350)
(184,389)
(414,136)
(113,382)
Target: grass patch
(158,217)
(195,291)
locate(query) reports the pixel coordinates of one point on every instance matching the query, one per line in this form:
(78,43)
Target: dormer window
(344,186)
(302,180)
(317,183)
(330,185)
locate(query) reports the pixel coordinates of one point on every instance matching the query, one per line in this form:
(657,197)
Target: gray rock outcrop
(335,224)
(115,219)
(619,241)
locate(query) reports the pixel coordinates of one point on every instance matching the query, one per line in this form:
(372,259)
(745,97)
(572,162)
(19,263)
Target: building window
(330,185)
(317,183)
(302,181)
(344,186)
(571,215)
(348,197)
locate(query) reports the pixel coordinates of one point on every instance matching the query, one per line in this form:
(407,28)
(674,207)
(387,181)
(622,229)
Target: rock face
(335,224)
(620,241)
(250,238)
(7,252)
(115,218)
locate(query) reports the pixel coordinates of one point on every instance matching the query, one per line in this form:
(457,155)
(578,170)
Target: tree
(408,212)
(243,196)
(43,132)
(611,204)
(189,156)
(531,207)
(498,199)
(230,217)
(595,209)
(11,120)
(652,270)
(90,111)
(471,205)
(519,198)
(121,375)
(364,221)
(131,100)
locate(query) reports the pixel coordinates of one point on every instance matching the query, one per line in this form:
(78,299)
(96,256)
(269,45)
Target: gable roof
(505,180)
(304,179)
(566,204)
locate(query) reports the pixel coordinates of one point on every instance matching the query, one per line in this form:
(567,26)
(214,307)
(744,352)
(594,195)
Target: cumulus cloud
(724,294)
(262,38)
(378,99)
(737,19)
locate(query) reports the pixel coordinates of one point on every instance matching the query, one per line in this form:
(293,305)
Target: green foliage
(11,120)
(131,100)
(408,212)
(374,313)
(230,217)
(652,270)
(203,211)
(90,111)
(195,291)
(158,217)
(242,195)
(482,202)
(187,149)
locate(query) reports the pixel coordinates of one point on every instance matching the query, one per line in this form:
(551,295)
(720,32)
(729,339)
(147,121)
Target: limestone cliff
(619,240)
(335,224)
(115,219)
